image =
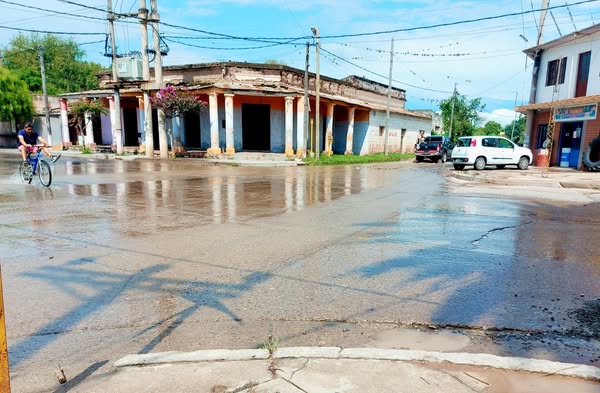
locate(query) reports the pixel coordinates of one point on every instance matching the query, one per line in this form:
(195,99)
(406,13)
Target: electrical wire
(47,32)
(380,75)
(53,11)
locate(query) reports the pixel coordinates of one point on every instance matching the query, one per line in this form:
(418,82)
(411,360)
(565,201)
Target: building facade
(260,108)
(565,92)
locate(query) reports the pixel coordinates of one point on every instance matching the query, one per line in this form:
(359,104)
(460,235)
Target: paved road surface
(123,257)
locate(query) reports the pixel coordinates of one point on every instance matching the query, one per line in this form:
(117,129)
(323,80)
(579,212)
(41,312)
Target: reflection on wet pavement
(161,254)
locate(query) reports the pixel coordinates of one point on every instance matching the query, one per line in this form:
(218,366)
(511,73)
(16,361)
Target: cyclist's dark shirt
(30,139)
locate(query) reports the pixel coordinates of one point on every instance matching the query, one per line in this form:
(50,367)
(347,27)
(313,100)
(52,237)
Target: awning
(559,104)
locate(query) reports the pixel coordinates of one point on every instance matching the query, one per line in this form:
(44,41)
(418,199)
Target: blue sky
(483,58)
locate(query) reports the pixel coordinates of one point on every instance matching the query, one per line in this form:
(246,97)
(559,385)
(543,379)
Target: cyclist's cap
(28,125)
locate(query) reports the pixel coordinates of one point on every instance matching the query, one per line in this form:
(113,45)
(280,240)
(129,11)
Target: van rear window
(464,142)
(434,139)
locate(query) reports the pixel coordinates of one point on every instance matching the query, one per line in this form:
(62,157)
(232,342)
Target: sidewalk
(534,176)
(334,369)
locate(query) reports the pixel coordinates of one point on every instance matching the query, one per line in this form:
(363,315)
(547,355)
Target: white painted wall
(374,142)
(571,51)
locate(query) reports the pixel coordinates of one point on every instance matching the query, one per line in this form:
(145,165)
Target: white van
(480,151)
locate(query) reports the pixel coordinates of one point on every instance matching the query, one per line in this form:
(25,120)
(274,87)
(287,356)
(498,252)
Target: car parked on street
(435,147)
(480,151)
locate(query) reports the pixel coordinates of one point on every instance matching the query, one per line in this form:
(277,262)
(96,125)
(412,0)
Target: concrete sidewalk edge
(471,359)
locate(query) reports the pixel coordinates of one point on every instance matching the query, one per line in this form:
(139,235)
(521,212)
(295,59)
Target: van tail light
(473,142)
(439,147)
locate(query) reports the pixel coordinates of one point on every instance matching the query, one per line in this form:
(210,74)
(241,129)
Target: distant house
(564,97)
(260,107)
(8,129)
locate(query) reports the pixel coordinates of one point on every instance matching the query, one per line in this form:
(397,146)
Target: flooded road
(120,257)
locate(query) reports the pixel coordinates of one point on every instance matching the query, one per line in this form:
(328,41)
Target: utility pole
(45,92)
(389,101)
(306,102)
(316,32)
(117,131)
(148,127)
(452,111)
(542,20)
(158,79)
(515,119)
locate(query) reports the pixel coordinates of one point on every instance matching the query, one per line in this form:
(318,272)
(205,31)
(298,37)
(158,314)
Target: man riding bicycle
(27,139)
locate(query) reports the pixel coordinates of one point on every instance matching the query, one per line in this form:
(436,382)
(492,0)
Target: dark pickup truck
(436,148)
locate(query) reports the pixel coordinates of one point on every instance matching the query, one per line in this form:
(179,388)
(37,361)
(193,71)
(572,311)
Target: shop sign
(576,113)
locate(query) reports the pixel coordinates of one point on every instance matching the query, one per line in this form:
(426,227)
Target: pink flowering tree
(175,103)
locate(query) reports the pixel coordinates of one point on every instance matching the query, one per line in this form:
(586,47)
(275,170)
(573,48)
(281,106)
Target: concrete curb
(471,359)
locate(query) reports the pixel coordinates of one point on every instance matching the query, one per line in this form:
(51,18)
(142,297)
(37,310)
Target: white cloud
(502,116)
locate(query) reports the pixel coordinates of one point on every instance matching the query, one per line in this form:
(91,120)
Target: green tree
(79,109)
(490,128)
(519,129)
(466,114)
(15,99)
(65,70)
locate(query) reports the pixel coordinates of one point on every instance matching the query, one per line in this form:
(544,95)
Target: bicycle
(36,163)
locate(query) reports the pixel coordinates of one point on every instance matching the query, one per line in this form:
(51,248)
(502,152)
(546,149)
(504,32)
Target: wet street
(121,257)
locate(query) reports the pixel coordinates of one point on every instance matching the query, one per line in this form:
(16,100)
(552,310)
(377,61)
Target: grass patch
(339,159)
(86,150)
(270,345)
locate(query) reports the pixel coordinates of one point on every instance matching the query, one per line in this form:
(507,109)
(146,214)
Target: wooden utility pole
(45,93)
(316,32)
(306,102)
(148,126)
(117,130)
(389,101)
(158,79)
(542,20)
(452,112)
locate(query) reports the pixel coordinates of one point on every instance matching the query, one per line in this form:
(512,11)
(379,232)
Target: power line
(53,11)
(229,48)
(454,23)
(89,7)
(48,32)
(380,75)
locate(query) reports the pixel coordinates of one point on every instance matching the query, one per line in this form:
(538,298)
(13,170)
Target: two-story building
(564,97)
(260,108)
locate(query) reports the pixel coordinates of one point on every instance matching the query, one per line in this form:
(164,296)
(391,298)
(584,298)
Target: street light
(315,31)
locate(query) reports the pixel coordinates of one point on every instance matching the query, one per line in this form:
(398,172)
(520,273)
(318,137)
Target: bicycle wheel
(45,173)
(25,171)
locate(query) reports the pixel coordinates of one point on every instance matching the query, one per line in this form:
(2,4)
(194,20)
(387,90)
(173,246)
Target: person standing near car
(27,139)
(420,137)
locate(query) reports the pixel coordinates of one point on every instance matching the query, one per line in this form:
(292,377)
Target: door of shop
(570,143)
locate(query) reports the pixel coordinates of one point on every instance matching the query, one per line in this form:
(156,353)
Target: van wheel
(419,158)
(480,163)
(523,163)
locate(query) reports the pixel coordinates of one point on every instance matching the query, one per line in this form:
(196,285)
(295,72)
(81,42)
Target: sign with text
(576,113)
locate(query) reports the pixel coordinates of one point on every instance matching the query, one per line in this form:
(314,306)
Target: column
(141,128)
(229,140)
(64,119)
(89,130)
(289,126)
(111,106)
(350,134)
(213,109)
(300,137)
(329,129)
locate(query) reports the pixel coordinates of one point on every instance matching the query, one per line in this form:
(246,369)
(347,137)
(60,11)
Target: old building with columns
(261,108)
